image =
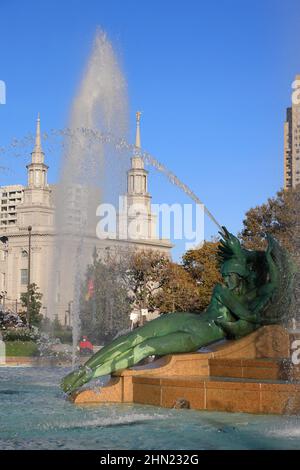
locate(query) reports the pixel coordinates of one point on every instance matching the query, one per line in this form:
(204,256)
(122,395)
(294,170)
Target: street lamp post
(69,311)
(4,240)
(3,296)
(28,276)
(45,308)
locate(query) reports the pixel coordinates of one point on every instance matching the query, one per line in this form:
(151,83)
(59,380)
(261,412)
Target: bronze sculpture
(257,291)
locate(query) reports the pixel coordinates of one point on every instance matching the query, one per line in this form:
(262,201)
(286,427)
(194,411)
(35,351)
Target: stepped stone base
(252,375)
(219,394)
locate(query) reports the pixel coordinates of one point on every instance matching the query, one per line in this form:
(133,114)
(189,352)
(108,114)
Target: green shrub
(21,348)
(65,336)
(20,334)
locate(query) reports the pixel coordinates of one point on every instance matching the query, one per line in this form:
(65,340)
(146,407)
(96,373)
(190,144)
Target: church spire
(137,175)
(38,147)
(138,131)
(139,217)
(37,170)
(37,156)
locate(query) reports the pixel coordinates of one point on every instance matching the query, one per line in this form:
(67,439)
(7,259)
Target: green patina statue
(257,291)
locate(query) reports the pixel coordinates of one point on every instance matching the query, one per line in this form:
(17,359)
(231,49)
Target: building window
(24,276)
(24,254)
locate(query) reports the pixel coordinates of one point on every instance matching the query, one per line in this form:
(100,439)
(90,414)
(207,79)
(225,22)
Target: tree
(144,276)
(280,217)
(179,292)
(115,286)
(34,303)
(145,279)
(203,267)
(105,303)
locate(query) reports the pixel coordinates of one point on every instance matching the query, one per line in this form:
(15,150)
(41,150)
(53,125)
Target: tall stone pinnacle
(38,154)
(138,131)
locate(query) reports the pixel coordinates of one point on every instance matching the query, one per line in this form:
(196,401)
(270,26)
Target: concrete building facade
(292,140)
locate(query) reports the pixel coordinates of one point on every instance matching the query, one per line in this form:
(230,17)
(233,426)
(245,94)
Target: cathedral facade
(29,237)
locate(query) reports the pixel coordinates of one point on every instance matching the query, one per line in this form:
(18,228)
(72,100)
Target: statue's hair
(280,308)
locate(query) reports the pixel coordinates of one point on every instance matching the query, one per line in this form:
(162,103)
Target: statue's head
(234,268)
(235,272)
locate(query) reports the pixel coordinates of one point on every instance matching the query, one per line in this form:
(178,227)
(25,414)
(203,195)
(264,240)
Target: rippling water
(35,415)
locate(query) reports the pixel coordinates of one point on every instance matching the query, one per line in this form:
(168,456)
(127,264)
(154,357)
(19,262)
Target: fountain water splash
(88,155)
(85,150)
(101,103)
(121,144)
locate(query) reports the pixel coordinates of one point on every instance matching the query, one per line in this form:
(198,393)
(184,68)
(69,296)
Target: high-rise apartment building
(292,139)
(10,198)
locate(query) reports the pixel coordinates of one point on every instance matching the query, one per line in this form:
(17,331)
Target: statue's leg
(173,343)
(156,328)
(165,324)
(179,342)
(111,351)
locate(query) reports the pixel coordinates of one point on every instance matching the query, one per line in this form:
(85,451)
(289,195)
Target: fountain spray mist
(101,103)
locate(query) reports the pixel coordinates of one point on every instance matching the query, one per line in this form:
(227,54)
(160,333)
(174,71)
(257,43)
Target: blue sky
(212,79)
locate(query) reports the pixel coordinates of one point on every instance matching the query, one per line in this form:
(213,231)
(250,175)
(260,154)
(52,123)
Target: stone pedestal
(248,375)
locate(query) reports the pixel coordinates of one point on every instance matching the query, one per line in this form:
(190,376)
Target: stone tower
(140,221)
(37,208)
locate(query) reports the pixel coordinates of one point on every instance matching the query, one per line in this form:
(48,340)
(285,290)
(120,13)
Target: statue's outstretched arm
(231,301)
(237,329)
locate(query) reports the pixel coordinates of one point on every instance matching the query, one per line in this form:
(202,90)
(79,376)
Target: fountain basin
(35,415)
